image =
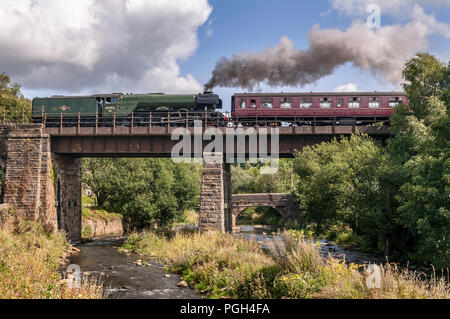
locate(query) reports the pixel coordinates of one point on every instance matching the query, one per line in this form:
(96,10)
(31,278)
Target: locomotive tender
(247,109)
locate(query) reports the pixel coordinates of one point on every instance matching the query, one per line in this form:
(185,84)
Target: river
(264,234)
(133,276)
(123,277)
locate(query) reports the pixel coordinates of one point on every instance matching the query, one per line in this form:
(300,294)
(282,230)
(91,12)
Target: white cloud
(115,45)
(349,87)
(209,30)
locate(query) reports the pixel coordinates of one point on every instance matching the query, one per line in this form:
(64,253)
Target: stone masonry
(28,186)
(215,198)
(281,202)
(68,195)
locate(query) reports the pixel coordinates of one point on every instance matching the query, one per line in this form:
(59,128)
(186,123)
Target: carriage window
(253,103)
(340,103)
(286,103)
(243,104)
(114,100)
(267,103)
(394,101)
(306,102)
(325,102)
(355,102)
(374,102)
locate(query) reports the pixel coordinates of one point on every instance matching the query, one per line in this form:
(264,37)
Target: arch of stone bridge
(281,202)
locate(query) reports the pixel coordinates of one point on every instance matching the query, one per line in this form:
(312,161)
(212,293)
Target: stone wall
(215,198)
(3,138)
(68,195)
(101,227)
(28,185)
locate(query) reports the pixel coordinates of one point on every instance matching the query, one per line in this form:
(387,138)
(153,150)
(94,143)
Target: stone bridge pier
(215,198)
(29,172)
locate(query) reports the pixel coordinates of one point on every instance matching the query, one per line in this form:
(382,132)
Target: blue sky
(253,25)
(233,27)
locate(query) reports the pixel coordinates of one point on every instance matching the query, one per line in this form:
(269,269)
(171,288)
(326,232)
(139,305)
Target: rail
(188,119)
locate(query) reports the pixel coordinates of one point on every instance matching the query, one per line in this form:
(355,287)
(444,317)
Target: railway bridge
(34,158)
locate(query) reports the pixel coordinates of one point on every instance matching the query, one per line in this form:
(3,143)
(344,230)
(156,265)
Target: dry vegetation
(29,263)
(225,266)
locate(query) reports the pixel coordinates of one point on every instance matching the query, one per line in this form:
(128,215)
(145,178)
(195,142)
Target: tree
(13,104)
(420,153)
(247,178)
(341,183)
(147,192)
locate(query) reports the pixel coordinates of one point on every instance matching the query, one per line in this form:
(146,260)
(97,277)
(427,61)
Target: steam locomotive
(246,108)
(103,108)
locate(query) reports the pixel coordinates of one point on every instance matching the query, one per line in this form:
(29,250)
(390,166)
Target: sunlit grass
(222,265)
(29,264)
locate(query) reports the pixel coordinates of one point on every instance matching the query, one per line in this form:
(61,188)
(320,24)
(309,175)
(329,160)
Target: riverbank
(225,266)
(30,263)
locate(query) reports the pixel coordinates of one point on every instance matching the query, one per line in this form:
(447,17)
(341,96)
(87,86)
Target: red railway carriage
(322,108)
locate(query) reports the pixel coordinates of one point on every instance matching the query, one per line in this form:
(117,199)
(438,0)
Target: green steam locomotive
(122,107)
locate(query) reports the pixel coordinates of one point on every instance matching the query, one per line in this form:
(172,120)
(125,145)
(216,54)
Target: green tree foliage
(147,192)
(343,183)
(424,196)
(13,104)
(396,198)
(248,178)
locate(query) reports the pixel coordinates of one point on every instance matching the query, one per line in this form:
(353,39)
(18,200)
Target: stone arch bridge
(281,202)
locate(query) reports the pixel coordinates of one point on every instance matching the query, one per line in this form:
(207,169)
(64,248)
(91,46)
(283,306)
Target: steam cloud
(383,51)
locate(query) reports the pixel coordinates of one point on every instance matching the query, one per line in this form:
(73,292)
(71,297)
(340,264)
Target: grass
(223,266)
(91,212)
(29,263)
(99,214)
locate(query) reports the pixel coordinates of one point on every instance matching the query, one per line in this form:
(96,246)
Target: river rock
(75,249)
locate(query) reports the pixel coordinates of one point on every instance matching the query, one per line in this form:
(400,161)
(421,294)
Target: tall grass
(29,263)
(225,266)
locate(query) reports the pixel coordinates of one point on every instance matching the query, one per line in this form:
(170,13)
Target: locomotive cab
(208,101)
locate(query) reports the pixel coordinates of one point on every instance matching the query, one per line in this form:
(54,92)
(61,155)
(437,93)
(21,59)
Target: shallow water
(122,277)
(263,235)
